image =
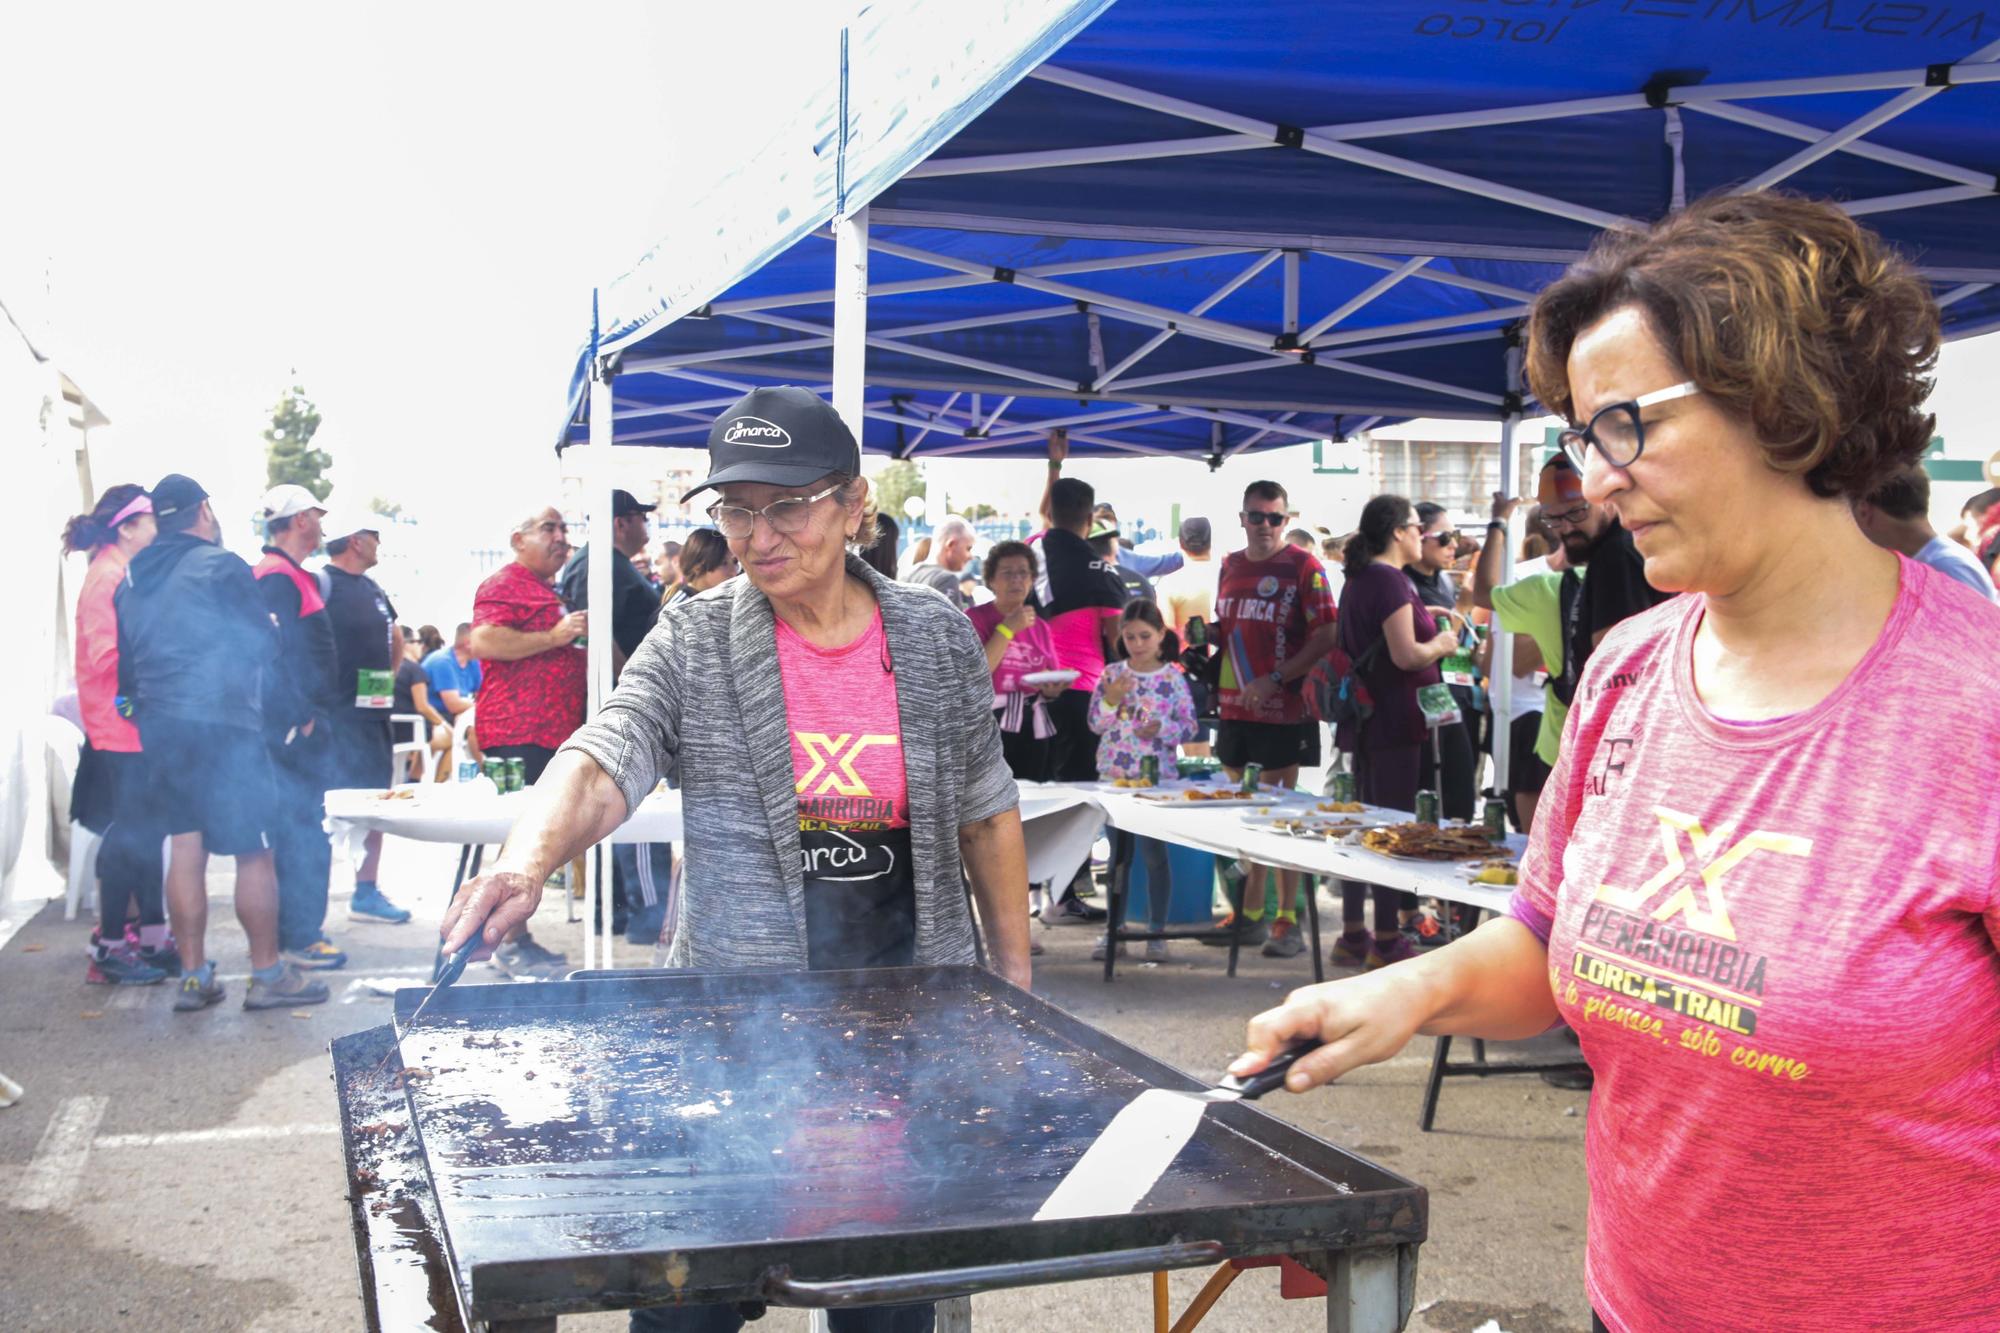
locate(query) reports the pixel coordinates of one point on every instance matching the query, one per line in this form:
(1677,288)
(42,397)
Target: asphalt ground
(184,1170)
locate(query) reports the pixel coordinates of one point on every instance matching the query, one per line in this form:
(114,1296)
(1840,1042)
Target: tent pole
(1501,673)
(850,317)
(597,582)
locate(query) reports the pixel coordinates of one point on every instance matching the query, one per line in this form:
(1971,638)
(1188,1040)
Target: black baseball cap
(785,436)
(624,503)
(174,493)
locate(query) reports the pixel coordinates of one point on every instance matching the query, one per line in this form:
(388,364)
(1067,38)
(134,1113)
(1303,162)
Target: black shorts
(1269,744)
(1526,773)
(362,754)
(103,779)
(202,777)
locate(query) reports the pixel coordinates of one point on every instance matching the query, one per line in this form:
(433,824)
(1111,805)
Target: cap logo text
(756,433)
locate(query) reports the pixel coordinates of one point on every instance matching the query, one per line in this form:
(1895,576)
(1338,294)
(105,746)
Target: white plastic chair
(65,745)
(399,753)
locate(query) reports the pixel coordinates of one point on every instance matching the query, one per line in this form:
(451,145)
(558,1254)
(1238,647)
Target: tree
(973,513)
(288,452)
(896,483)
(385,508)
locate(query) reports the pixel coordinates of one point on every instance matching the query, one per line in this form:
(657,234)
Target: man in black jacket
(301,694)
(194,646)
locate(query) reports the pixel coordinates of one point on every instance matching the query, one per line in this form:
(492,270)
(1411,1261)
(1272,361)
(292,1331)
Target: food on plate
(397,794)
(1428,842)
(1130,782)
(1497,872)
(1340,807)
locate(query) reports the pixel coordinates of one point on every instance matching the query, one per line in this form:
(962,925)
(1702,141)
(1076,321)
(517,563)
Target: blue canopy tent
(1196,228)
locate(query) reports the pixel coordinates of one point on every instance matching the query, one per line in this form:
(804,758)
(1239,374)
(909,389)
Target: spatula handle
(1271,1076)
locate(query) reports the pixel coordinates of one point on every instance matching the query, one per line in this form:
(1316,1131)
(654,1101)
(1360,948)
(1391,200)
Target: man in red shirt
(535,687)
(1274,619)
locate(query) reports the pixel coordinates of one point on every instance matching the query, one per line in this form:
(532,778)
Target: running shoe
(1072,911)
(1097,951)
(1285,940)
(369,904)
(1351,949)
(1426,932)
(319,956)
(525,960)
(1385,952)
(118,968)
(1156,951)
(1249,934)
(167,957)
(289,991)
(199,990)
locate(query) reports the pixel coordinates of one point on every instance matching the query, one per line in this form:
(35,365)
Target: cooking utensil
(1142,1141)
(451,969)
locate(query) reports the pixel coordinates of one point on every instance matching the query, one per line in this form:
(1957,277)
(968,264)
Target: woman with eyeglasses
(1761,886)
(1395,643)
(1019,643)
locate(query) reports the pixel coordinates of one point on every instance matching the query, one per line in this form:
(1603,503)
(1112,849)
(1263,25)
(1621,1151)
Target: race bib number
(375,689)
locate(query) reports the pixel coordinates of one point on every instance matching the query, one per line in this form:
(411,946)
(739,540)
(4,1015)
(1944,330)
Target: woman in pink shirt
(1018,643)
(1762,882)
(107,795)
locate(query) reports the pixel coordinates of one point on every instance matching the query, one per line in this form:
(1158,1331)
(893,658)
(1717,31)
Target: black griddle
(821,1139)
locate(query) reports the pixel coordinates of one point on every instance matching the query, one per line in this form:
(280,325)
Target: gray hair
(952,526)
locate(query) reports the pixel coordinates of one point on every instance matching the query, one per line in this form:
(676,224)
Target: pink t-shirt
(1033,649)
(854,812)
(1776,941)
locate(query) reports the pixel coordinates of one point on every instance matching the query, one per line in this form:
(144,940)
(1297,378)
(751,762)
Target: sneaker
(319,956)
(1072,911)
(167,957)
(288,991)
(199,990)
(1426,932)
(1351,949)
(368,904)
(1156,951)
(1384,952)
(118,968)
(1097,951)
(1285,940)
(525,960)
(1249,934)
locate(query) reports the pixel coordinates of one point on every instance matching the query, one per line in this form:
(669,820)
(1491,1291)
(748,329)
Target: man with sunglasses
(1274,620)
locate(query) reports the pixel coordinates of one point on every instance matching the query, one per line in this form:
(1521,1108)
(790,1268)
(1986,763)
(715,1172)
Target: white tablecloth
(1059,822)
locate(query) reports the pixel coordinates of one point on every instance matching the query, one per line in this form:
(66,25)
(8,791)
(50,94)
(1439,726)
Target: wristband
(1054,466)
(1500,523)
(1009,634)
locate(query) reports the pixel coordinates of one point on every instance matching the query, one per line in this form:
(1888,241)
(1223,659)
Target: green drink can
(1427,807)
(496,772)
(1496,819)
(1149,770)
(1344,787)
(1252,775)
(517,774)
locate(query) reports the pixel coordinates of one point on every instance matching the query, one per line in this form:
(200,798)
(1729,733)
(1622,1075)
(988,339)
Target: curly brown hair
(1786,312)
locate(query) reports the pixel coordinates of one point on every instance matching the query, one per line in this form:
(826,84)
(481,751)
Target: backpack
(1338,695)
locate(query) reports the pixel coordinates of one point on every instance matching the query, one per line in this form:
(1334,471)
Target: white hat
(287,500)
(347,522)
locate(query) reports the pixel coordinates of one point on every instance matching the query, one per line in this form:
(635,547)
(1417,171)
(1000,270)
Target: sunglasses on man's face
(1254,517)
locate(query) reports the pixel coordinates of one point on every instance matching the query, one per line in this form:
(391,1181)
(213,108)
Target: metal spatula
(1141,1142)
(452,969)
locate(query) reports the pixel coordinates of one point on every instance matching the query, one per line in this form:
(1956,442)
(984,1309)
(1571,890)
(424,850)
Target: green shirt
(1533,606)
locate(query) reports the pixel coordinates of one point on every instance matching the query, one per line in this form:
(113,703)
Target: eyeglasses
(1617,431)
(787,516)
(1568,518)
(1442,538)
(1253,517)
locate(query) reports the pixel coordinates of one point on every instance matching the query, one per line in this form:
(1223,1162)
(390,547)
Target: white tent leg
(1502,672)
(597,576)
(850,317)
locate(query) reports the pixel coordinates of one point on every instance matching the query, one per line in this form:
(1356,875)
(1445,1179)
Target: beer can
(1427,807)
(1149,770)
(468,769)
(1252,775)
(517,774)
(496,773)
(1496,819)
(1344,787)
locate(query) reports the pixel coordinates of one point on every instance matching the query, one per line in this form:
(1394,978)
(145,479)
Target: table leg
(1434,1084)
(1118,883)
(1309,889)
(1236,916)
(1367,1290)
(954,1315)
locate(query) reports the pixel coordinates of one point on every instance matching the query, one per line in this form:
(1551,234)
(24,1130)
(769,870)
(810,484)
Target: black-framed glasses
(1616,430)
(1253,517)
(786,516)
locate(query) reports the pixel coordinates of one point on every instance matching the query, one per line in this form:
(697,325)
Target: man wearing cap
(951,551)
(635,603)
(1104,542)
(1149,567)
(641,872)
(840,767)
(195,645)
(301,696)
(367,647)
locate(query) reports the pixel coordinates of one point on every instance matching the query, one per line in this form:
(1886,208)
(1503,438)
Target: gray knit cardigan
(702,698)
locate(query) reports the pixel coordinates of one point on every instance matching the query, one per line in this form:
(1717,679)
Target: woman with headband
(105,799)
